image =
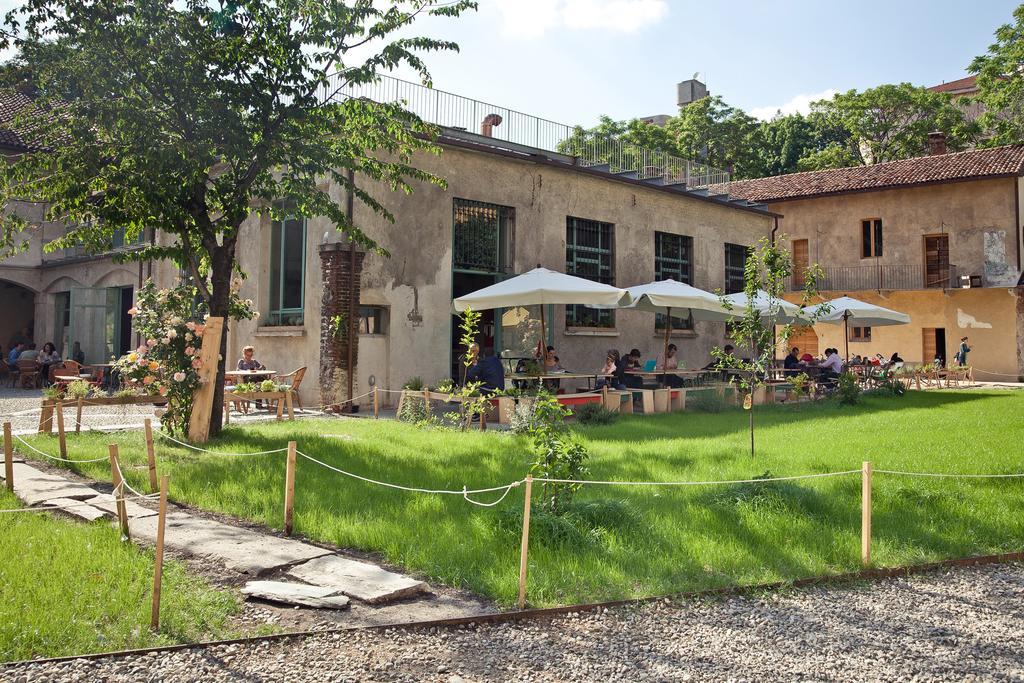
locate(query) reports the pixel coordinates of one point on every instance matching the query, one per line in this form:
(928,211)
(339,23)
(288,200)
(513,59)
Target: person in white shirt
(832,365)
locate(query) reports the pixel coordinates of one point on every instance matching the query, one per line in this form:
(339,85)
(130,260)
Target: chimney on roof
(936,142)
(488,124)
(690,91)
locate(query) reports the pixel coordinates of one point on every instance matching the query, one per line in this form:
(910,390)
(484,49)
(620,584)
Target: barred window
(735,262)
(590,254)
(673,259)
(480,233)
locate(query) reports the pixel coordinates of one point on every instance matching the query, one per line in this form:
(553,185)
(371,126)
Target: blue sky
(572,60)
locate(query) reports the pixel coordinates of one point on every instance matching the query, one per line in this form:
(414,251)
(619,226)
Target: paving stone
(86,512)
(359,580)
(296,594)
(108,503)
(240,549)
(34,486)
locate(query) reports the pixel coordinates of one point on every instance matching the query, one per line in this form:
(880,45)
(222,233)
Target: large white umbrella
(666,296)
(778,311)
(541,286)
(845,308)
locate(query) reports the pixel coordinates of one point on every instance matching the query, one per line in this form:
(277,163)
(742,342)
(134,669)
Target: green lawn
(647,540)
(72,588)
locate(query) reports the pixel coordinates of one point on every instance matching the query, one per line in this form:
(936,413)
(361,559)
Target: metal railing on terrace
(516,128)
(853,278)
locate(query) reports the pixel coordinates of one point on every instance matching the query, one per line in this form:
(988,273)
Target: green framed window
(287,271)
(735,263)
(590,254)
(673,259)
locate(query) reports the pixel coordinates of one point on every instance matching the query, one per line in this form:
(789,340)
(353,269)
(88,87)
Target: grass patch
(73,588)
(648,540)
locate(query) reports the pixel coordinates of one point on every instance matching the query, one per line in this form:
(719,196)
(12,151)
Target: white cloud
(533,18)
(798,103)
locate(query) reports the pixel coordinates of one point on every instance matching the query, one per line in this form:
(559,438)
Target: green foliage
(892,121)
(78,389)
(557,454)
(414,384)
(1000,84)
(186,117)
(414,410)
(594,414)
(848,389)
(708,401)
(800,382)
(834,155)
(583,525)
(52,392)
(446,386)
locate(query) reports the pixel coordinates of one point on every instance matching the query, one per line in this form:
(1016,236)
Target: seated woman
(669,362)
(612,362)
(249,362)
(46,359)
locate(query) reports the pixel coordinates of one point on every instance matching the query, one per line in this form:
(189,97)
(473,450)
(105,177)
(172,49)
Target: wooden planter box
(283,398)
(49,405)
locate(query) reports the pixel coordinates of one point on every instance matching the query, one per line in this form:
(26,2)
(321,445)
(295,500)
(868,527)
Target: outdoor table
(696,375)
(589,376)
(250,373)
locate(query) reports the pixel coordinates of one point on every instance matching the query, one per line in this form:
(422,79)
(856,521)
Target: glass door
(95,322)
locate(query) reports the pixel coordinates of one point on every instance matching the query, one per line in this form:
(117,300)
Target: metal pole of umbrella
(668,332)
(846,331)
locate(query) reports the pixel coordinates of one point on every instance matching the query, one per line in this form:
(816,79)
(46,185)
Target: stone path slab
(366,582)
(34,486)
(75,507)
(240,549)
(108,503)
(296,594)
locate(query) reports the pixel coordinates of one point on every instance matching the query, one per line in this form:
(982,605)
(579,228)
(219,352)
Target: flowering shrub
(172,322)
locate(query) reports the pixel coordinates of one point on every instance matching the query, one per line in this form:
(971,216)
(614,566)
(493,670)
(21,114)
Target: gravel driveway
(962,624)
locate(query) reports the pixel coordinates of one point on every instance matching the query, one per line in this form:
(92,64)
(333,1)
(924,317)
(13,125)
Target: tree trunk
(221,263)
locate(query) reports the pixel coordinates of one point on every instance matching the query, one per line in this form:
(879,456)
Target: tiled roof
(966,83)
(973,164)
(11,104)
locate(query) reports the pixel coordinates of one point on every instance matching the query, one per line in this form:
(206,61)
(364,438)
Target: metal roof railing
(499,123)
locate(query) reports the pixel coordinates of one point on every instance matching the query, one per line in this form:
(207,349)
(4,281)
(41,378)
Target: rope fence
(502,490)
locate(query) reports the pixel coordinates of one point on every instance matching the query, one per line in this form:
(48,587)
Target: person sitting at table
(46,359)
(832,366)
(29,353)
(488,370)
(610,367)
(857,360)
(249,362)
(792,365)
(633,360)
(669,362)
(77,354)
(721,363)
(12,357)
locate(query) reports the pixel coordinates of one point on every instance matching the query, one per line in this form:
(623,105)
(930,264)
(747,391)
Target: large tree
(722,135)
(892,122)
(188,116)
(1001,83)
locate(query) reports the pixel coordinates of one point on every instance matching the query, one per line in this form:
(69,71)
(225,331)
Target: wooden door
(929,348)
(936,261)
(805,339)
(800,263)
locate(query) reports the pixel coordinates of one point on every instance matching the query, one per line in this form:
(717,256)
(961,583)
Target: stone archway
(19,313)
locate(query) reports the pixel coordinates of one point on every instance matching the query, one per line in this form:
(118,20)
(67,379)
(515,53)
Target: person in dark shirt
(792,365)
(489,371)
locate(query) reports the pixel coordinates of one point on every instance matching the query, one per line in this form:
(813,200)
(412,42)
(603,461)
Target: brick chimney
(936,142)
(488,124)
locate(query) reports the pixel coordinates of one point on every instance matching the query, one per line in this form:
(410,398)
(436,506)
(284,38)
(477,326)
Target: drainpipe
(350,211)
(1016,216)
(775,230)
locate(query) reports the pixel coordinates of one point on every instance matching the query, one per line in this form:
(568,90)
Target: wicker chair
(28,372)
(296,381)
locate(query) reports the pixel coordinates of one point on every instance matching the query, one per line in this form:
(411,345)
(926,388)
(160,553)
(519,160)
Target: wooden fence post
(115,476)
(524,546)
(150,455)
(865,515)
(8,457)
(60,430)
(202,404)
(158,564)
(289,489)
(376,402)
(78,415)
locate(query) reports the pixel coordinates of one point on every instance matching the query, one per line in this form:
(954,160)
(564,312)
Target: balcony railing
(501,123)
(853,278)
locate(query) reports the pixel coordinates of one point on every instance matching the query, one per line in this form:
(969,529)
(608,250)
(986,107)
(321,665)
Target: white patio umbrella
(845,308)
(541,286)
(665,296)
(782,313)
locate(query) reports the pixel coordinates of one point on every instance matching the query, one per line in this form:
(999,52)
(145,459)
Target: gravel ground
(962,624)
